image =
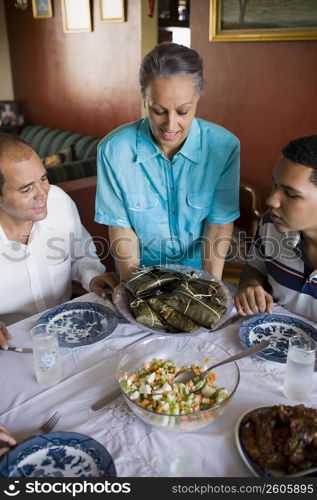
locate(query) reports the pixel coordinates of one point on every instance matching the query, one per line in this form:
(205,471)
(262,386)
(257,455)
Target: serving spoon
(185,377)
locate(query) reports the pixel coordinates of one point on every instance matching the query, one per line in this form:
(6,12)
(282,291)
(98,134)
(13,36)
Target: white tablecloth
(136,448)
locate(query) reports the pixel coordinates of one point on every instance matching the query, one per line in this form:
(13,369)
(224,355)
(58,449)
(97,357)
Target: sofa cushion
(63,156)
(72,170)
(48,140)
(85,147)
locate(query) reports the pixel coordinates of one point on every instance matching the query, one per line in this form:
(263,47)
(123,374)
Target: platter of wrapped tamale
(174,299)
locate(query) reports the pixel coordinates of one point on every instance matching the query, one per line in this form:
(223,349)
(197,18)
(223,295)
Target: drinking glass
(300,365)
(184,459)
(46,354)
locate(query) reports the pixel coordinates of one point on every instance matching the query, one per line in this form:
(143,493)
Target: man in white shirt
(43,245)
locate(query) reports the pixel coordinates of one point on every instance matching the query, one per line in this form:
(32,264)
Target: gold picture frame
(268,20)
(112,11)
(76,16)
(42,9)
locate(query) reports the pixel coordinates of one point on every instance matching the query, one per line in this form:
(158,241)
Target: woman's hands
(6,438)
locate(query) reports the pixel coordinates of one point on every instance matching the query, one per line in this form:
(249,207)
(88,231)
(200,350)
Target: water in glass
(300,364)
(46,355)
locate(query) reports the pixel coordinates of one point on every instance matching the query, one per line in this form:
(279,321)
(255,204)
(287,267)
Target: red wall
(84,82)
(264,92)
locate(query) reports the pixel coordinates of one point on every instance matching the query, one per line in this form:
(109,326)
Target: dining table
(137,449)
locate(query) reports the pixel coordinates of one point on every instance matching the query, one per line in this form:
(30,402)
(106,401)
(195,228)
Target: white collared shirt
(37,276)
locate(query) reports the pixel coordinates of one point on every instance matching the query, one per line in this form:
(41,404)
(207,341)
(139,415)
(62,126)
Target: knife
(19,349)
(102,402)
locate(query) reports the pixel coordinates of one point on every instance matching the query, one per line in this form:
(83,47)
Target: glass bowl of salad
(146,372)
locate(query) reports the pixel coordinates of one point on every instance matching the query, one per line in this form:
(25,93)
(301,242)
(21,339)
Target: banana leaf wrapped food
(143,312)
(172,317)
(204,287)
(147,280)
(205,311)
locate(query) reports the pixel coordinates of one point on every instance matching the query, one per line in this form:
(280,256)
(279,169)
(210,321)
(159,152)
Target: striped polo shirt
(281,257)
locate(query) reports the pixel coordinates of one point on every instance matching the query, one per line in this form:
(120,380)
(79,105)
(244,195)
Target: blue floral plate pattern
(277,328)
(80,323)
(58,454)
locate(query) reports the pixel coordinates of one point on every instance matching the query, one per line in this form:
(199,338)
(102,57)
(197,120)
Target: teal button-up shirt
(166,202)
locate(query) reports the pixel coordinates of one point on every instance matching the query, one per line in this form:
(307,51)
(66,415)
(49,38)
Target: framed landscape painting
(261,20)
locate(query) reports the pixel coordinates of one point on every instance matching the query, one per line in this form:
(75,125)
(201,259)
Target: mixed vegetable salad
(153,388)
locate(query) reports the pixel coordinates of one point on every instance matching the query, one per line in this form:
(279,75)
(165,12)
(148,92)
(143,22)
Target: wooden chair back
(250,209)
(250,214)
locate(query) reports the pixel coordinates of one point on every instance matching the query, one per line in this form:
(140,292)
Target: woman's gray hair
(168,60)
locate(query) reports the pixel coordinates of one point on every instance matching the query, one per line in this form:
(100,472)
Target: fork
(50,423)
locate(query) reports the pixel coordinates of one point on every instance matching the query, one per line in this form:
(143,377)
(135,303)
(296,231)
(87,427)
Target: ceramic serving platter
(80,323)
(277,328)
(58,454)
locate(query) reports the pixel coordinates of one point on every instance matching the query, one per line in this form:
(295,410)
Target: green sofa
(51,141)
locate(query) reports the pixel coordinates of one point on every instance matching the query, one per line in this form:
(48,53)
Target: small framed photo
(11,120)
(76,16)
(112,11)
(42,8)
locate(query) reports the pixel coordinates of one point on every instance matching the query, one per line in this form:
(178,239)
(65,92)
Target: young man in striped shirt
(282,263)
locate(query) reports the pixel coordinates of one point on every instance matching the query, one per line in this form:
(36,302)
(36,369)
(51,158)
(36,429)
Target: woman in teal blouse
(168,184)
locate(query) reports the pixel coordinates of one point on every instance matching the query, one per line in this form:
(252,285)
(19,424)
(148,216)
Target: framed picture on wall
(42,8)
(76,16)
(112,11)
(11,120)
(262,20)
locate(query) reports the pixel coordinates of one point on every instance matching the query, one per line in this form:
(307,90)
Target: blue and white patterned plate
(80,323)
(278,329)
(58,454)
